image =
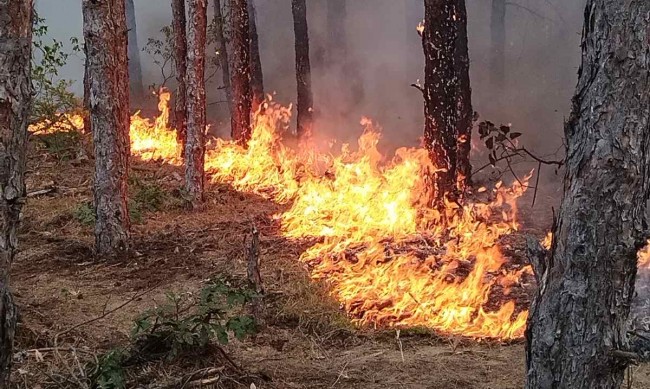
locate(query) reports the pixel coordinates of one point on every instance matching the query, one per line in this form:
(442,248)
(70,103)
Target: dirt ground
(72,308)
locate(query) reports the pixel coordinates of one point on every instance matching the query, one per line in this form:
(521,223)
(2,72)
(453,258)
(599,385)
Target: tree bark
(105,37)
(15,103)
(463,100)
(222,46)
(439,40)
(257,76)
(578,323)
(241,72)
(135,69)
(196,115)
(179,27)
(86,98)
(303,70)
(498,44)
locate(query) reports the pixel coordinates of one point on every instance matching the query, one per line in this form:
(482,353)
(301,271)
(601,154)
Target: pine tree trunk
(179,27)
(463,100)
(578,323)
(196,116)
(498,45)
(241,72)
(135,69)
(86,98)
(105,37)
(15,103)
(303,69)
(440,89)
(257,77)
(222,46)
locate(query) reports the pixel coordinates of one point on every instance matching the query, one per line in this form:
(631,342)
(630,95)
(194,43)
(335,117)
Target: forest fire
(386,255)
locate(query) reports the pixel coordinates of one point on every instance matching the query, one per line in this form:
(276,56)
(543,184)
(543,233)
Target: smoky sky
(384,50)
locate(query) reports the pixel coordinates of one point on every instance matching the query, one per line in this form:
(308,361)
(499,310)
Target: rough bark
(179,27)
(440,89)
(196,115)
(105,34)
(135,69)
(463,100)
(222,46)
(498,43)
(86,98)
(15,102)
(257,77)
(303,70)
(577,331)
(241,72)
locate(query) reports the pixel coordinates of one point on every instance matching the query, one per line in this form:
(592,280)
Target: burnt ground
(72,307)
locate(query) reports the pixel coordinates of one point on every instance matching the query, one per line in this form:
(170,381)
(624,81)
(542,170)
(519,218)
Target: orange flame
(385,254)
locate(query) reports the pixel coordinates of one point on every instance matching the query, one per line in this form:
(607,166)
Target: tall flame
(388,258)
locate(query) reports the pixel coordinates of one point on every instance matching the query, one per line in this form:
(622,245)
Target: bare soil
(67,298)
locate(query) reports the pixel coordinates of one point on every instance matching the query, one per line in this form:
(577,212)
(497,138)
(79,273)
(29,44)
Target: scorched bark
(196,120)
(465,112)
(577,332)
(241,72)
(303,70)
(105,37)
(15,103)
(220,39)
(179,26)
(257,76)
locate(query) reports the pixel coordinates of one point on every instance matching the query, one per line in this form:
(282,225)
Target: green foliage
(51,93)
(108,371)
(62,145)
(84,214)
(150,197)
(187,322)
(162,55)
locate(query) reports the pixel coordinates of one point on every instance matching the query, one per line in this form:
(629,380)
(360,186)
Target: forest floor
(72,308)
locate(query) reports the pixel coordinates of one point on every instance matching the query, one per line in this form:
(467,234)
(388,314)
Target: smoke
(385,57)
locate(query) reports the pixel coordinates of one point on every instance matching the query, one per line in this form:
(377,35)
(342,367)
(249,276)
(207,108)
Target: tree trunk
(105,37)
(222,46)
(336,32)
(578,323)
(15,103)
(241,72)
(86,98)
(440,89)
(135,69)
(196,116)
(463,100)
(498,49)
(257,77)
(179,26)
(303,69)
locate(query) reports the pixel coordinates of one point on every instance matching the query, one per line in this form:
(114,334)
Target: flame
(388,258)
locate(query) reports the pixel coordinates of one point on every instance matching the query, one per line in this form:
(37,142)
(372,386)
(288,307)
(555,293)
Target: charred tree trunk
(257,77)
(303,69)
(196,116)
(498,49)
(222,46)
(577,332)
(241,74)
(135,69)
(440,88)
(463,100)
(15,103)
(105,37)
(179,27)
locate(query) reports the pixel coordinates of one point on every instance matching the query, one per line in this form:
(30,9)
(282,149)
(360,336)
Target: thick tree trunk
(222,46)
(135,69)
(257,77)
(578,323)
(440,90)
(86,98)
(196,116)
(179,27)
(241,72)
(498,45)
(463,100)
(303,69)
(105,37)
(15,103)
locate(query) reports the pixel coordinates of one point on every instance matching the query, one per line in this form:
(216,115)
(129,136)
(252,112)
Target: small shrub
(62,145)
(150,197)
(84,214)
(108,371)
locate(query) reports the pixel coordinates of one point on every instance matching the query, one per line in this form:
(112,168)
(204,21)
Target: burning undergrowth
(387,257)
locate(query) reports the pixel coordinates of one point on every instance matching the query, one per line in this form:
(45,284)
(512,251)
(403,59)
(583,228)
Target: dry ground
(306,342)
